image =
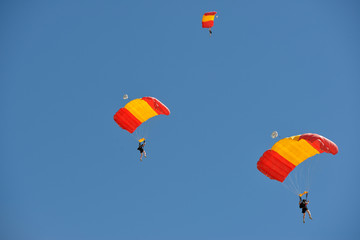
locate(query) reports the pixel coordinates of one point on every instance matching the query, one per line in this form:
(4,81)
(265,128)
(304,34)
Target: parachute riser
(304,193)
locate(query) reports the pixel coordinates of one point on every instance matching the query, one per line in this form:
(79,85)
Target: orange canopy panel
(138,111)
(208,19)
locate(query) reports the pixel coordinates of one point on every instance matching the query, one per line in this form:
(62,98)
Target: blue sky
(69,172)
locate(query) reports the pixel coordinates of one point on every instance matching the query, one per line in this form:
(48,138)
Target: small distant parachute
(208,19)
(138,111)
(125,96)
(288,153)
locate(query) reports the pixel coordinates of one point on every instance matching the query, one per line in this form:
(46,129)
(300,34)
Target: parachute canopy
(288,153)
(138,111)
(208,19)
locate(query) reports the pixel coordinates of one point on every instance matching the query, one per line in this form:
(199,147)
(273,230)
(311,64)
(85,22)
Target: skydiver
(210,32)
(303,205)
(141,149)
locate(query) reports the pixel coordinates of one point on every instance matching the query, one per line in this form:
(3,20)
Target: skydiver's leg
(141,154)
(144,153)
(309,214)
(303,217)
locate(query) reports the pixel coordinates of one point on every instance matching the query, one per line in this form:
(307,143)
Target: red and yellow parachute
(138,111)
(288,153)
(208,19)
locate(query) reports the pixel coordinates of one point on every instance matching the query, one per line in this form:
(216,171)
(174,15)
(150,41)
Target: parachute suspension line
(147,129)
(307,187)
(291,189)
(296,180)
(291,185)
(310,169)
(142,131)
(303,176)
(306,174)
(135,135)
(299,180)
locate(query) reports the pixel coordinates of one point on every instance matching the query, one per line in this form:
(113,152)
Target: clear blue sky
(69,172)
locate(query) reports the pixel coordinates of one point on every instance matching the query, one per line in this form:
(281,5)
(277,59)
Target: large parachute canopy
(138,111)
(208,19)
(288,153)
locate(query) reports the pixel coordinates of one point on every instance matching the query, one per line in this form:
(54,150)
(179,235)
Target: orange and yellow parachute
(288,153)
(208,19)
(138,111)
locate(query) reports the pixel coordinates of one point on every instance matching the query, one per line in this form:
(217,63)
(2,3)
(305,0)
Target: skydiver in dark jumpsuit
(303,205)
(141,149)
